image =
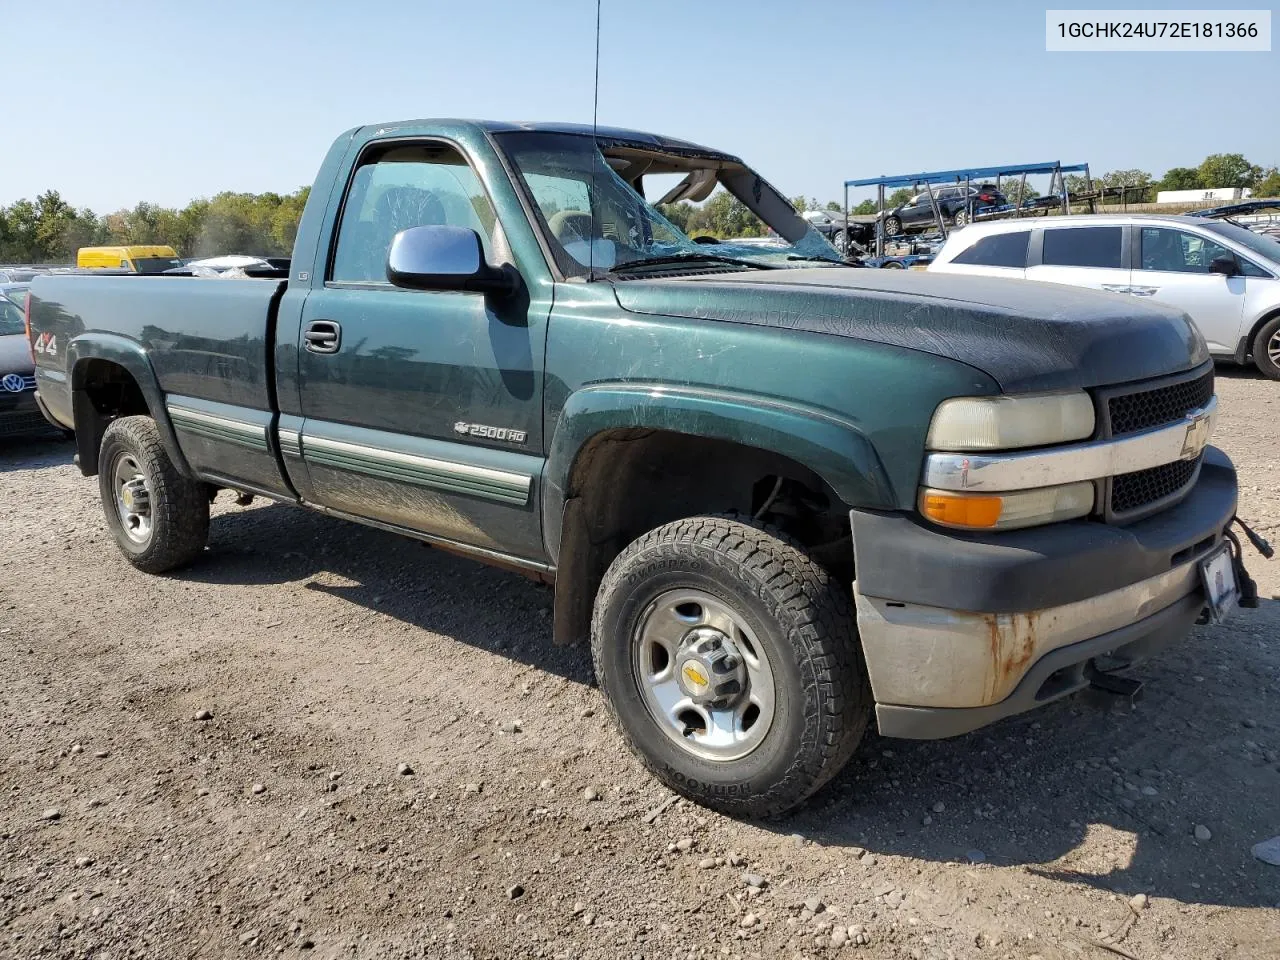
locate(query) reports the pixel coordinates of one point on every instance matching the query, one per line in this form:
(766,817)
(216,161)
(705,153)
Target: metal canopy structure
(928,178)
(970,173)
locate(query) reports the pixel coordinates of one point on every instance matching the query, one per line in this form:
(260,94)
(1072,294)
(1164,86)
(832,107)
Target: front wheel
(158,516)
(1266,349)
(892,227)
(730,661)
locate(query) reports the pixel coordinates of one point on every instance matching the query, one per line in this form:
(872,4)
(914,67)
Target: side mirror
(445,258)
(1224,265)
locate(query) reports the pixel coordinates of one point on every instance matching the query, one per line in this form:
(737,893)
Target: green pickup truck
(779,494)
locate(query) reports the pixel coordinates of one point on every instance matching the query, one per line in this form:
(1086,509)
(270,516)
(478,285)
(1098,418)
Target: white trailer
(1196,196)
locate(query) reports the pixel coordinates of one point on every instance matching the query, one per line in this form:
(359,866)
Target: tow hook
(1248,589)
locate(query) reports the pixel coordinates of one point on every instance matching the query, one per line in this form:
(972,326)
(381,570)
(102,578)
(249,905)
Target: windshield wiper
(688,258)
(796,256)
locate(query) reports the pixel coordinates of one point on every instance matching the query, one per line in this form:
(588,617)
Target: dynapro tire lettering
(707,789)
(489,433)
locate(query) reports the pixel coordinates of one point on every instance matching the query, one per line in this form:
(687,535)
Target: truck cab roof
(605,133)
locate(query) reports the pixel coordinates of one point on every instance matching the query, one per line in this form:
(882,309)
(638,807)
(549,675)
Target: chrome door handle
(1116,287)
(1144,291)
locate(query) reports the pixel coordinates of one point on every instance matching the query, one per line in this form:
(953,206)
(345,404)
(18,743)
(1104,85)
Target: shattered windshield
(591,207)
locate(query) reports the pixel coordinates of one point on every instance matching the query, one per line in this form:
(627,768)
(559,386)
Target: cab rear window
(998,250)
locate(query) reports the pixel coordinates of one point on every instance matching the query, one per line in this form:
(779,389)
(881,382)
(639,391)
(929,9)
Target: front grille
(1132,491)
(22,423)
(1145,409)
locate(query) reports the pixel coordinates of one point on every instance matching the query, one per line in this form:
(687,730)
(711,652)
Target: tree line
(50,230)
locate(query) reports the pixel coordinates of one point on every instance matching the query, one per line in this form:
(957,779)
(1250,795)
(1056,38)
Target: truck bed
(210,339)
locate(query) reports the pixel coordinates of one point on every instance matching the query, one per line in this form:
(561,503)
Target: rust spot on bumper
(1012,638)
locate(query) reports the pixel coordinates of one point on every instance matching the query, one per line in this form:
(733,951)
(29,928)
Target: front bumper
(961,630)
(19,414)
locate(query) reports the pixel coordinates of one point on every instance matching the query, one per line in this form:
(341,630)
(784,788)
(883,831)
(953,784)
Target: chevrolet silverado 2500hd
(780,494)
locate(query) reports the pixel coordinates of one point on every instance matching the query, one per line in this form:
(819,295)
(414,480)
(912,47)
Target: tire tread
(818,615)
(180,504)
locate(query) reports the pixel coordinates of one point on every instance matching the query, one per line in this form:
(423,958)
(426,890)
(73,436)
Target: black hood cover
(1027,336)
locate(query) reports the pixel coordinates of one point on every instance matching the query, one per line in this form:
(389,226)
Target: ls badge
(465,429)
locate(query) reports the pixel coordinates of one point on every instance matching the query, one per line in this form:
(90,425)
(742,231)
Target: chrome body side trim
(1025,470)
(213,426)
(487,482)
(289,432)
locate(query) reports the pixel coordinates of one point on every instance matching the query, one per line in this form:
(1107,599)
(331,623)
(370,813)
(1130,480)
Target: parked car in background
(136,259)
(20,274)
(1225,277)
(839,231)
(18,411)
(15,290)
(956,204)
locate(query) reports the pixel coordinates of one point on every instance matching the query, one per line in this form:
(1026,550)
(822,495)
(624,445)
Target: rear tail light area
(26,323)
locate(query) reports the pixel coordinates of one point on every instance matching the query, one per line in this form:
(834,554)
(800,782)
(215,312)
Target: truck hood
(1025,335)
(15,355)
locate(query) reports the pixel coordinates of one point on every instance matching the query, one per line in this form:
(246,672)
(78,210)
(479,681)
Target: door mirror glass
(444,258)
(1223,265)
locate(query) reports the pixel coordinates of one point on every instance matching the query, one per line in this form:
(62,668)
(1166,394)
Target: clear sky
(115,103)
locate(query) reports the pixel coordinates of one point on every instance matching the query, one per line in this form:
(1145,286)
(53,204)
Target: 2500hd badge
(489,433)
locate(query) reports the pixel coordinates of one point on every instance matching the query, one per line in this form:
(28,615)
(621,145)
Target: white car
(1226,278)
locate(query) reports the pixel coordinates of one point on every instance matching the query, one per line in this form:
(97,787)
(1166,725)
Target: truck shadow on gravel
(494,610)
(35,452)
(1092,790)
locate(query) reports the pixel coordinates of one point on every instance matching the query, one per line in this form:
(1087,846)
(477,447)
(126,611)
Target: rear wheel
(730,661)
(961,218)
(1266,348)
(159,518)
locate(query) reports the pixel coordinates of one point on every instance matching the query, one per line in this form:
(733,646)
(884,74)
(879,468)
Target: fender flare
(131,357)
(834,448)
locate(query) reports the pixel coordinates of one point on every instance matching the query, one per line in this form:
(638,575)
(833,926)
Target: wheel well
(102,391)
(1257,328)
(629,481)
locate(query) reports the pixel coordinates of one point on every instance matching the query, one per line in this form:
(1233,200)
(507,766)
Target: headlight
(1007,511)
(1006,423)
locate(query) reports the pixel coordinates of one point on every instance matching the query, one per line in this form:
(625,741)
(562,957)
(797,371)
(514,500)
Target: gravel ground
(325,741)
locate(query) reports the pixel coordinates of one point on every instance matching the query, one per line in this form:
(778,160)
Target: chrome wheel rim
(686,636)
(1273,348)
(133,499)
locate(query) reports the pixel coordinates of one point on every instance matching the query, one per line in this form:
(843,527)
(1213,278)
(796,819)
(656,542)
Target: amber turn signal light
(961,509)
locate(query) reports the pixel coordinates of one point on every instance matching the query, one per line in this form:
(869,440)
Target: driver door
(422,408)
